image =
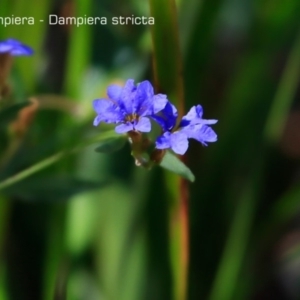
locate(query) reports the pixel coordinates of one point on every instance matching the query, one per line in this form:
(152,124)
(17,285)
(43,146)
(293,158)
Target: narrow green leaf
(111,145)
(78,61)
(31,35)
(284,95)
(168,74)
(282,211)
(174,164)
(52,188)
(166,51)
(10,113)
(53,159)
(230,266)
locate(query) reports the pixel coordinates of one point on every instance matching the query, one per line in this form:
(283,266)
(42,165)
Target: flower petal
(208,134)
(194,116)
(179,142)
(5,47)
(201,133)
(143,102)
(107,111)
(208,122)
(163,141)
(126,99)
(114,91)
(14,47)
(97,120)
(159,102)
(195,112)
(143,125)
(123,128)
(144,91)
(167,117)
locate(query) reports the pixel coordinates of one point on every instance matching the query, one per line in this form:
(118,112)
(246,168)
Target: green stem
(167,64)
(285,94)
(53,159)
(230,267)
(31,170)
(5,213)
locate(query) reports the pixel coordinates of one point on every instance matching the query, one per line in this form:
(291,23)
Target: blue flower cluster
(14,48)
(132,107)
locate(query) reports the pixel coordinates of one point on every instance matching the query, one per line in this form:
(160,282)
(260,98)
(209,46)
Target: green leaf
(175,165)
(8,114)
(168,75)
(51,188)
(4,184)
(111,145)
(166,51)
(285,95)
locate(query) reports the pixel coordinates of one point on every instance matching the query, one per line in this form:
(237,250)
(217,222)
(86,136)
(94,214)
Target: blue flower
(14,47)
(167,117)
(191,126)
(130,106)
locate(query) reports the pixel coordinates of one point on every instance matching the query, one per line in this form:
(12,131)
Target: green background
(93,226)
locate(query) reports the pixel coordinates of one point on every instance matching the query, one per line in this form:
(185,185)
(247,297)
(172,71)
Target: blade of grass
(30,35)
(284,95)
(226,281)
(167,58)
(54,281)
(4,13)
(79,51)
(5,213)
(168,73)
(285,209)
(53,159)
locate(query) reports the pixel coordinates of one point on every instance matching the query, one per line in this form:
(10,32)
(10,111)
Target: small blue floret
(132,107)
(191,126)
(129,106)
(14,48)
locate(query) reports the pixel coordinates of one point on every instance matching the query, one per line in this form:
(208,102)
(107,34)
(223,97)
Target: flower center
(132,117)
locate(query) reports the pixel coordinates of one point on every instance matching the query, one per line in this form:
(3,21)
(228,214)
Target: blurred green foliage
(76,224)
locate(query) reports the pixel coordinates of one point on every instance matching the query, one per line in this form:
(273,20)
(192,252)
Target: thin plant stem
(167,65)
(284,95)
(52,159)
